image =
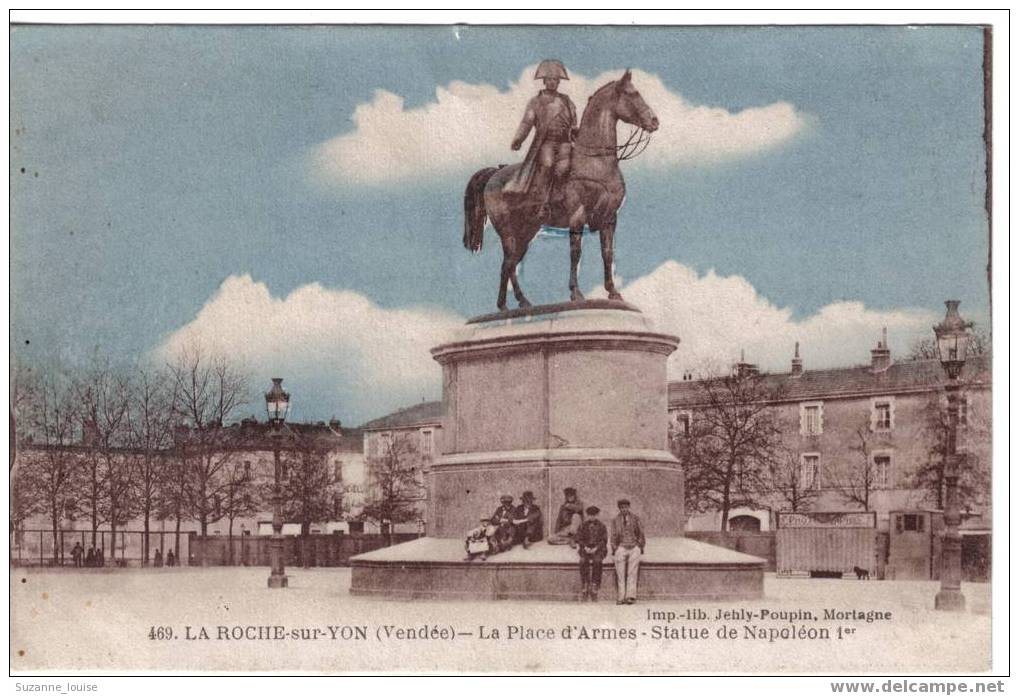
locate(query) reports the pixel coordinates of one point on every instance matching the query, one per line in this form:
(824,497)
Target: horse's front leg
(608,234)
(576,234)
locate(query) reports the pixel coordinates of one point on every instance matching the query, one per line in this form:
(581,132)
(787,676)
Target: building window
(679,423)
(882,470)
(909,523)
(427,442)
(811,418)
(810,471)
(882,414)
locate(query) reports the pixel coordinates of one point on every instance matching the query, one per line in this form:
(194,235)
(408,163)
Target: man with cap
(527,520)
(592,542)
(502,519)
(571,514)
(553,117)
(627,548)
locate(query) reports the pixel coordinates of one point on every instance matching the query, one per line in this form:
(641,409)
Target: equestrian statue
(569,179)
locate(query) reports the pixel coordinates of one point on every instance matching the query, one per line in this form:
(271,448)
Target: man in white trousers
(627,541)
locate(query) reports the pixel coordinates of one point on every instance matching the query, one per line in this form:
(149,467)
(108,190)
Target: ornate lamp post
(952,343)
(277,404)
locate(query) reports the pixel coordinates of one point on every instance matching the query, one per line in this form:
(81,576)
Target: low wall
(760,544)
(314,550)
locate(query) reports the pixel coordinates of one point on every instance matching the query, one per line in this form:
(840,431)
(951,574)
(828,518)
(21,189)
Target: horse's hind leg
(607,234)
(576,234)
(510,258)
(517,292)
(503,280)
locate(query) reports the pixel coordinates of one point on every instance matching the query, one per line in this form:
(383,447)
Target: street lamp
(952,343)
(277,404)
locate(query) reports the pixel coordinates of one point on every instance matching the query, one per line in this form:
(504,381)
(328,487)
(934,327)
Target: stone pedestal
(538,400)
(541,402)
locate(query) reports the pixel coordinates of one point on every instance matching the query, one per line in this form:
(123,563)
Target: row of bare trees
(735,453)
(112,445)
(109,444)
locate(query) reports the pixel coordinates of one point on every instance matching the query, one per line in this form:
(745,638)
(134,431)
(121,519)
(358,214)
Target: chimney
(797,368)
(881,357)
(743,368)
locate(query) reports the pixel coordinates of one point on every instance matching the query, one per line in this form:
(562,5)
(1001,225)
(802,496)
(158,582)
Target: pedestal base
(950,600)
(674,568)
(277,581)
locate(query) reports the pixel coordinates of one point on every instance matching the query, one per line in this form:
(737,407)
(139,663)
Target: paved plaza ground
(119,620)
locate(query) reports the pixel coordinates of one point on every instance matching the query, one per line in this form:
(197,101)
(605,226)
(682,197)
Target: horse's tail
(474,208)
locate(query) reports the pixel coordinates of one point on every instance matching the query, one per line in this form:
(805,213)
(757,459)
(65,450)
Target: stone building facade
(411,436)
(835,422)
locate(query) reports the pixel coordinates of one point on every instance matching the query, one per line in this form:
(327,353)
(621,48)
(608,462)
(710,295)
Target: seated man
(479,540)
(571,514)
(502,520)
(527,521)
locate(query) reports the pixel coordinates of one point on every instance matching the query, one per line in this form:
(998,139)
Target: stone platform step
(672,568)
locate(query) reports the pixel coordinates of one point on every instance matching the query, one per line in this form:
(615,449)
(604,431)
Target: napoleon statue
(553,117)
(569,179)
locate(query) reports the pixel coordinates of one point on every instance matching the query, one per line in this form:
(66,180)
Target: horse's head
(631,108)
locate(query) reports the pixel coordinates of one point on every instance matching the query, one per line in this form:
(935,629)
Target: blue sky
(161,162)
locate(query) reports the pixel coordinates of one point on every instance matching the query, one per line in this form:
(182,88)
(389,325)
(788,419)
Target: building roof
(250,435)
(844,382)
(425,413)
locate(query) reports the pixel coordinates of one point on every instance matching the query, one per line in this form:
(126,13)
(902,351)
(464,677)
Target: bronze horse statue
(594,190)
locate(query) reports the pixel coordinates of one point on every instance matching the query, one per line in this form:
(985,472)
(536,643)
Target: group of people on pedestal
(576,525)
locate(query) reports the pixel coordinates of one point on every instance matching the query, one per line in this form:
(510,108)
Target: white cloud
(715,317)
(360,359)
(469,126)
(341,353)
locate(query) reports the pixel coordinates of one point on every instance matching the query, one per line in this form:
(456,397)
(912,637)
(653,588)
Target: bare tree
(103,399)
(24,393)
(786,479)
(208,390)
(857,482)
(239,498)
(396,490)
(150,435)
(927,349)
(46,474)
(309,490)
(172,484)
(733,442)
(974,483)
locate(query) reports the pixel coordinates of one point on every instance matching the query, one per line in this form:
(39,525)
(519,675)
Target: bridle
(634,146)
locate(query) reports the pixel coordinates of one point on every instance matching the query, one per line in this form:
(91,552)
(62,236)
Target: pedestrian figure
(502,518)
(592,545)
(527,521)
(76,554)
(158,559)
(571,514)
(478,540)
(171,560)
(101,558)
(627,548)
(90,558)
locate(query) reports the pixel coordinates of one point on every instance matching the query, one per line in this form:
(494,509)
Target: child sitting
(478,540)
